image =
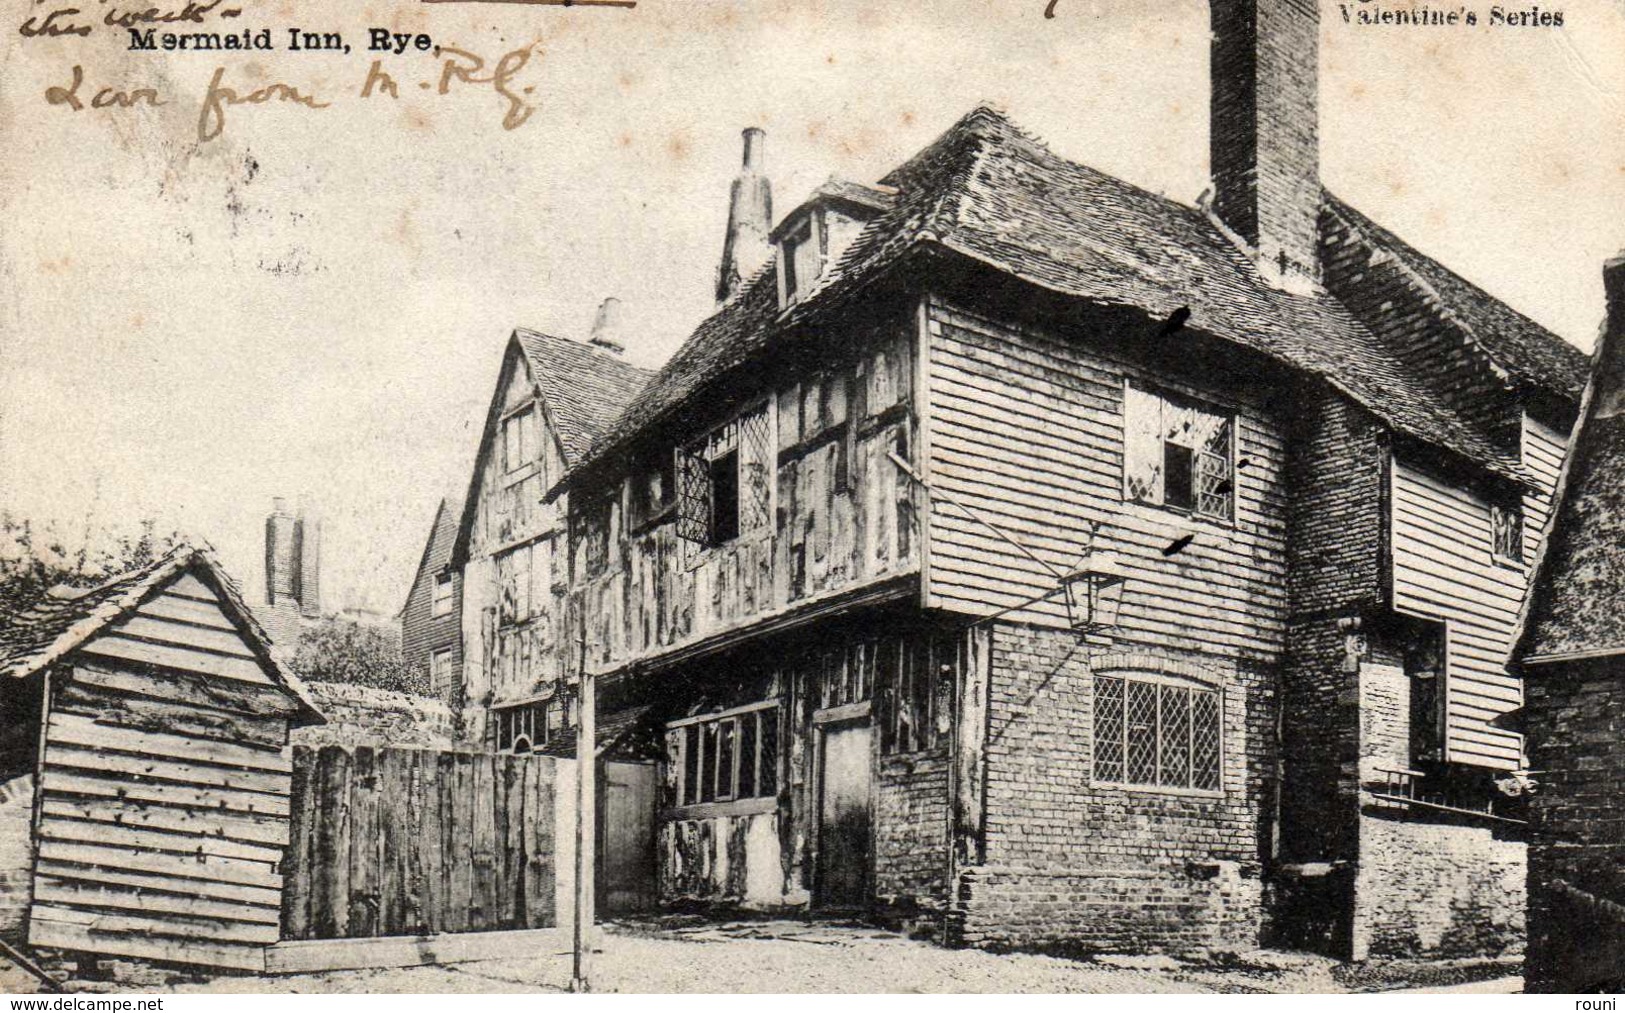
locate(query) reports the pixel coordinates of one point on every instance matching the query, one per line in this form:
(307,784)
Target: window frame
(1498,512)
(436,657)
(1161,681)
(1232,418)
(440,605)
(531,721)
(695,500)
(525,421)
(762,712)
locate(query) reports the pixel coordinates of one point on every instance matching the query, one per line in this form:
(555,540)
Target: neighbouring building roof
(1576,602)
(585,387)
(49,630)
(442,538)
(1526,351)
(987,191)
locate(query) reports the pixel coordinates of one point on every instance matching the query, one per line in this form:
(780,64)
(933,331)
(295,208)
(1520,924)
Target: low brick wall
(1168,908)
(1436,890)
(364,716)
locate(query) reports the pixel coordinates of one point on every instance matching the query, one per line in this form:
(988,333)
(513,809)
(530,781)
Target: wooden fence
(413,841)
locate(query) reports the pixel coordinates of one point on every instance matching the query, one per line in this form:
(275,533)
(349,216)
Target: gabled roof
(442,537)
(989,192)
(583,389)
(1575,607)
(1527,352)
(52,628)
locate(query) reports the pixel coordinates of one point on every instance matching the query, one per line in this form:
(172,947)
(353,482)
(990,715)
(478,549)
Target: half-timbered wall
(1028,430)
(839,515)
(164,805)
(512,617)
(1443,568)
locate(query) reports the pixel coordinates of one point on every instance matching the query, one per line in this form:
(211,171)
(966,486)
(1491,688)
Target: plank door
(628,838)
(843,817)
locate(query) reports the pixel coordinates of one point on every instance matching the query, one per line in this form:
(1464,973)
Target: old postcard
(812,495)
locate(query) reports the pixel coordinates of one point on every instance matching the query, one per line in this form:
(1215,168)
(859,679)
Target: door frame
(856,715)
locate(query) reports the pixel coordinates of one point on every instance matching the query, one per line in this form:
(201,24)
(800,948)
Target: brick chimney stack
(1264,133)
(608,327)
(293,547)
(745,248)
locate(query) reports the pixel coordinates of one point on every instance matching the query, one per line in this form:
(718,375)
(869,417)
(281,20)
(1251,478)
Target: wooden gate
(414,841)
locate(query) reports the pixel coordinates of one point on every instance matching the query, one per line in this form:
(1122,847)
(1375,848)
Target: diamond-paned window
(1156,734)
(1177,453)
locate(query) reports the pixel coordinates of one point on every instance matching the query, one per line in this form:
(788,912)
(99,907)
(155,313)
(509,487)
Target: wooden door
(843,817)
(627,838)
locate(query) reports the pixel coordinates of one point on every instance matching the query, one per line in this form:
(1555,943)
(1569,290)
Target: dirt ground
(789,956)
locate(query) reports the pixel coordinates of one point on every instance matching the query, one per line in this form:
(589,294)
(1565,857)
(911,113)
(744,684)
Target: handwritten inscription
(72,20)
(458,69)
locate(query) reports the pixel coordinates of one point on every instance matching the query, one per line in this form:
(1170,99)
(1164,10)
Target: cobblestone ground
(785,956)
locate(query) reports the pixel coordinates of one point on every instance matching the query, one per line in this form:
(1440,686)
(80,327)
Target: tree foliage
(340,649)
(34,559)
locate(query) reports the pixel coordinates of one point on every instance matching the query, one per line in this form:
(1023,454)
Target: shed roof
(987,191)
(1575,607)
(65,619)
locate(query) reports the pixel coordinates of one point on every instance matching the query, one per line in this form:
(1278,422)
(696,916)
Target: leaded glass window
(1177,453)
(1156,734)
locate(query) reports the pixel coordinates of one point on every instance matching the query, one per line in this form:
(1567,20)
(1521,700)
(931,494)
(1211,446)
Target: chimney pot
(754,136)
(608,326)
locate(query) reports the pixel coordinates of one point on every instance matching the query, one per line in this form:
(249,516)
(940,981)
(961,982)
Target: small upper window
(518,439)
(724,482)
(442,594)
(1177,453)
(801,260)
(1506,526)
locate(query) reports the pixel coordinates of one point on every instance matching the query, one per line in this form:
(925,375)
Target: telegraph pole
(586,819)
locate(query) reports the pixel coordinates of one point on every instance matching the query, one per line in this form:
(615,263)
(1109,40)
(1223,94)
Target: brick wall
(1577,838)
(1074,865)
(1428,884)
(1335,475)
(911,831)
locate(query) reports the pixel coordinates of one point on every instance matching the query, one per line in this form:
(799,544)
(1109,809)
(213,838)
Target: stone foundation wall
(365,716)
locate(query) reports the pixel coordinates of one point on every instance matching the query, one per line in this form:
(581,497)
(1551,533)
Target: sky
(314,303)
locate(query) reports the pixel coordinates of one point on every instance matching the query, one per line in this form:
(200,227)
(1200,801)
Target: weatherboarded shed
(161,810)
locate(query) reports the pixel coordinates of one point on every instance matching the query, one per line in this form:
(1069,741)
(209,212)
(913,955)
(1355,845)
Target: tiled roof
(585,387)
(1528,352)
(1576,601)
(989,192)
(59,623)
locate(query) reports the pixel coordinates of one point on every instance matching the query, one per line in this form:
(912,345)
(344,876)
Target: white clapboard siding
(1543,449)
(1027,431)
(1443,569)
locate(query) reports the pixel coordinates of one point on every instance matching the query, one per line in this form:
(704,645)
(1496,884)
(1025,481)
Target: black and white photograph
(812,496)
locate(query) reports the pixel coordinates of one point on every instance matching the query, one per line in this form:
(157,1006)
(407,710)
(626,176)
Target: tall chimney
(609,327)
(750,217)
(308,537)
(1264,135)
(281,555)
(293,547)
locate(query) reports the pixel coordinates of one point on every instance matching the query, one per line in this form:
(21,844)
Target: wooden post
(586,810)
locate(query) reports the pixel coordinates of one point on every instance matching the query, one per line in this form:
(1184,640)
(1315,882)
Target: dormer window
(800,259)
